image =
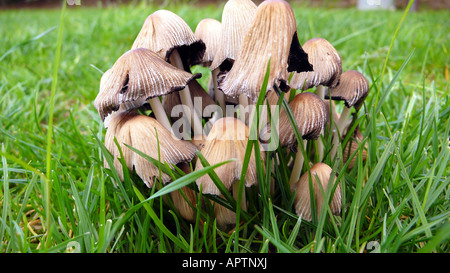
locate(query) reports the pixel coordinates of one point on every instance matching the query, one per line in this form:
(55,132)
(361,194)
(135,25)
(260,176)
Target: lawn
(56,196)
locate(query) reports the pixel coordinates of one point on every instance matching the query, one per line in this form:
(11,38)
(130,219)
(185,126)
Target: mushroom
(236,18)
(210,31)
(227,140)
(147,135)
(353,146)
(353,88)
(167,34)
(327,66)
(303,195)
(272,35)
(310,114)
(138,76)
(184,207)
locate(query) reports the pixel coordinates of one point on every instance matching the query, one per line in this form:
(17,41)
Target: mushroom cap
(136,76)
(209,31)
(139,132)
(236,18)
(272,35)
(227,140)
(353,146)
(310,114)
(163,31)
(326,62)
(303,197)
(353,89)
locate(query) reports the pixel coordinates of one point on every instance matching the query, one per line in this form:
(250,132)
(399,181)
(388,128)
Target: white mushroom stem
(340,125)
(320,92)
(159,112)
(298,164)
(320,147)
(185,96)
(243,102)
(218,95)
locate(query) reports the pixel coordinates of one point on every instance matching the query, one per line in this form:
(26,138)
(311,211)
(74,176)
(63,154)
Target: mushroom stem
(340,125)
(218,95)
(159,112)
(320,147)
(320,91)
(298,164)
(185,96)
(243,102)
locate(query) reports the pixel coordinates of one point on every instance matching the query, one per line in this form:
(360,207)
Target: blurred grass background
(417,107)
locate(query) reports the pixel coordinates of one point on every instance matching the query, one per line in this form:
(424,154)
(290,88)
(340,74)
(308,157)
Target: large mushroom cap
(310,114)
(326,62)
(353,88)
(145,134)
(227,140)
(209,31)
(136,76)
(303,196)
(236,18)
(164,31)
(272,35)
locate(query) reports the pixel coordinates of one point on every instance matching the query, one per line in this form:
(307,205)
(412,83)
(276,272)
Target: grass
(397,200)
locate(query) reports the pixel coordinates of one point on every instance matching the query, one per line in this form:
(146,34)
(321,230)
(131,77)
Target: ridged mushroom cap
(327,65)
(236,18)
(209,31)
(227,140)
(303,197)
(139,132)
(310,114)
(272,35)
(353,146)
(353,89)
(163,31)
(136,76)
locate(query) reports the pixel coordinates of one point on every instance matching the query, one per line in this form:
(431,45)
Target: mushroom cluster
(151,101)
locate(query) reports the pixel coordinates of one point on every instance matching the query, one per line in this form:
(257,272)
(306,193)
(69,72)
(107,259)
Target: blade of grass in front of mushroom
(252,141)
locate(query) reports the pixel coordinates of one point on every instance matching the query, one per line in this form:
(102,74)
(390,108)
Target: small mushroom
(353,146)
(311,115)
(327,66)
(353,89)
(227,140)
(167,34)
(272,35)
(138,76)
(209,31)
(145,134)
(236,18)
(303,194)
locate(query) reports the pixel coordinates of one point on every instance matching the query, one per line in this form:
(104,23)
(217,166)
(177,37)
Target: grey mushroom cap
(310,114)
(272,35)
(236,18)
(164,31)
(145,133)
(326,62)
(138,75)
(353,89)
(303,195)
